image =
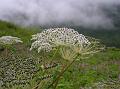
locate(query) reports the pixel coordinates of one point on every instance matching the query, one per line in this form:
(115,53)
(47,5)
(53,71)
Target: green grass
(103,67)
(7,29)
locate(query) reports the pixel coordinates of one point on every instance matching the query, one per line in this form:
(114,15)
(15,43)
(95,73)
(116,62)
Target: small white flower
(10,40)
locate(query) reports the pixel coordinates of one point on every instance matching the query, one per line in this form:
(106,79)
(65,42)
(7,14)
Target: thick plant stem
(59,76)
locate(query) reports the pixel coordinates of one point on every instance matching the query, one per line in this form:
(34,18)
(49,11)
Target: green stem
(55,53)
(62,72)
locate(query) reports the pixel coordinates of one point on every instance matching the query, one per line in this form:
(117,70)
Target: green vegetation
(21,69)
(7,29)
(110,37)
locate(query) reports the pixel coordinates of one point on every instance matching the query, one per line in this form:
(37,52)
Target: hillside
(7,28)
(109,37)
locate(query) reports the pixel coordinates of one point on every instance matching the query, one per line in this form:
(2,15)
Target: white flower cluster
(51,38)
(7,40)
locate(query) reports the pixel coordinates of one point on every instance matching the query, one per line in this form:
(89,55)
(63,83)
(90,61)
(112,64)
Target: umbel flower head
(50,38)
(69,41)
(8,40)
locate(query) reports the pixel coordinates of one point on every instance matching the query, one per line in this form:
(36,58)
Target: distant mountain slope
(108,37)
(13,30)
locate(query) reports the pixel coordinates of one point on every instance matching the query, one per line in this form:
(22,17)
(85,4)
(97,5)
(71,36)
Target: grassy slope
(12,30)
(101,67)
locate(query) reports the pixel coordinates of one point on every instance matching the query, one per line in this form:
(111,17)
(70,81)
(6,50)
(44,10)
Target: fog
(86,13)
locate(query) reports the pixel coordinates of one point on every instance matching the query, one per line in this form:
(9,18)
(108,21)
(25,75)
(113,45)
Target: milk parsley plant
(69,42)
(8,41)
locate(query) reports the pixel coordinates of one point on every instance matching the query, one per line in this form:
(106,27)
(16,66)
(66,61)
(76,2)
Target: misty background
(85,13)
